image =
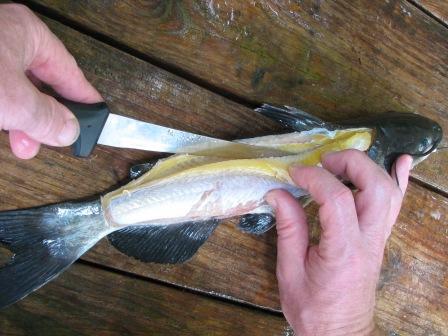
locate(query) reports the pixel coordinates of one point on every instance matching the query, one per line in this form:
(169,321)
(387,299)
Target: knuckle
(396,195)
(342,195)
(72,65)
(354,154)
(386,190)
(301,174)
(14,101)
(16,108)
(286,228)
(46,122)
(286,281)
(396,198)
(18,8)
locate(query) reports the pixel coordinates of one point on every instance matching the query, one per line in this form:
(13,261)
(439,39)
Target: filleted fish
(172,206)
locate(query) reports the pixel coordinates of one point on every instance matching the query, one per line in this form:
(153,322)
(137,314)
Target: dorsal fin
(171,243)
(293,118)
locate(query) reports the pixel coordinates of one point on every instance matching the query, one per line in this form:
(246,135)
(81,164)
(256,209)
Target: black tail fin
(45,241)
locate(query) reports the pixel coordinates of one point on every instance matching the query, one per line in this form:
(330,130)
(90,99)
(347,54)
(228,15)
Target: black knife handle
(92,118)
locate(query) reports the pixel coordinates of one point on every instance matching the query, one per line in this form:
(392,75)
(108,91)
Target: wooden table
(202,66)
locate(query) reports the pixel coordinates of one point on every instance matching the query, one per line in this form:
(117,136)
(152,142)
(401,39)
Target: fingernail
(69,132)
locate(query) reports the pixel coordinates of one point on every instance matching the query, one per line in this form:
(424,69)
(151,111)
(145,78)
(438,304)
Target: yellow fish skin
(205,187)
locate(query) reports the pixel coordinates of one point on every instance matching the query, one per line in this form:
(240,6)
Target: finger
(22,145)
(40,116)
(337,211)
(54,65)
(378,194)
(292,234)
(355,166)
(33,79)
(400,171)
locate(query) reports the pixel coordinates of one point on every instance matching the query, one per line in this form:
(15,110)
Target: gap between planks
(428,186)
(175,70)
(180,287)
(427,12)
(196,291)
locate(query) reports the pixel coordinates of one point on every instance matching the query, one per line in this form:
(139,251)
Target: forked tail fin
(44,242)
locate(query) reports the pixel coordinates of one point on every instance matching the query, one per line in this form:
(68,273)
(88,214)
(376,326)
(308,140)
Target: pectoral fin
(256,223)
(172,243)
(259,223)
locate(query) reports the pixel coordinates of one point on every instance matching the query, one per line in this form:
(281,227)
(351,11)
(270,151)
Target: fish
(173,205)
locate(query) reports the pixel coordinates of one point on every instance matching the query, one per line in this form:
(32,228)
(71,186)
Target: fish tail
(45,241)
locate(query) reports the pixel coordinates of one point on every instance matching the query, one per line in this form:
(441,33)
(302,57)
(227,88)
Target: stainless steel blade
(124,132)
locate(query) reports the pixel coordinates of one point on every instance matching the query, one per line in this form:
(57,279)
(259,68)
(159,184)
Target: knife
(99,126)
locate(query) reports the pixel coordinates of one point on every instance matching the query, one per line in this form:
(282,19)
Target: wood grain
(335,59)
(412,293)
(231,265)
(90,301)
(438,8)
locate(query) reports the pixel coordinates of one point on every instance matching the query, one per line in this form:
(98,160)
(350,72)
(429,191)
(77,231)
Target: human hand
(329,289)
(30,53)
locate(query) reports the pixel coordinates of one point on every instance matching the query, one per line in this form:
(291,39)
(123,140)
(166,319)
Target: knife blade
(99,126)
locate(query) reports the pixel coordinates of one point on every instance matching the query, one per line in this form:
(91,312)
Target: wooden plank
(438,8)
(232,264)
(90,301)
(412,294)
(335,59)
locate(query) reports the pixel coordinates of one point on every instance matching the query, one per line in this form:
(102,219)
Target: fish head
(403,133)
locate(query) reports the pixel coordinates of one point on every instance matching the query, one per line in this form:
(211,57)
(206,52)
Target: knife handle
(92,118)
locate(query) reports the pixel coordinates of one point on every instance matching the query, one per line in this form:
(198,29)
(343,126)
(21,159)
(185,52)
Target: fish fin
(142,168)
(256,223)
(172,243)
(292,117)
(44,243)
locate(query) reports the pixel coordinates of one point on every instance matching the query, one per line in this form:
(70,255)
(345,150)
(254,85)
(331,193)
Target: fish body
(206,187)
(171,207)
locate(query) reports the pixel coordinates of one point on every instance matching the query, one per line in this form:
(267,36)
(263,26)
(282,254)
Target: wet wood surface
(335,59)
(438,8)
(90,301)
(413,294)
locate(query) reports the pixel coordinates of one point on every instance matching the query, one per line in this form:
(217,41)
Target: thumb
(292,231)
(400,171)
(43,118)
(22,145)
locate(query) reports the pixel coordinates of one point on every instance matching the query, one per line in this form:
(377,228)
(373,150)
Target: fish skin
(200,192)
(396,133)
(47,240)
(196,197)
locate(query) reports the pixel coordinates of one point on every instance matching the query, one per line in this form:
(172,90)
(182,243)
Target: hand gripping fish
(172,206)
